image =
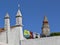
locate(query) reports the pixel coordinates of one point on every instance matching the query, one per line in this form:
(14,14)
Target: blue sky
(33,12)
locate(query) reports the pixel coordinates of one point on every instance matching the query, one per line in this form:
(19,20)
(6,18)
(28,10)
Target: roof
(2,29)
(19,13)
(7,16)
(45,19)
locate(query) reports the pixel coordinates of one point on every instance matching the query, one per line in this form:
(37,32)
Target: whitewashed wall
(14,36)
(42,41)
(3,36)
(1,43)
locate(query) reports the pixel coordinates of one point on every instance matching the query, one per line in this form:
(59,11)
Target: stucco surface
(42,41)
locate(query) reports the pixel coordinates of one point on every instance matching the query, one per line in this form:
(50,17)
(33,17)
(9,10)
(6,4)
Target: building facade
(13,35)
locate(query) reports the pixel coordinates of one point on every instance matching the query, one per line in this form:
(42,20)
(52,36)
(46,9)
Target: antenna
(18,5)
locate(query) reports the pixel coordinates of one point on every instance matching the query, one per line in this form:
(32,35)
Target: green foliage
(55,34)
